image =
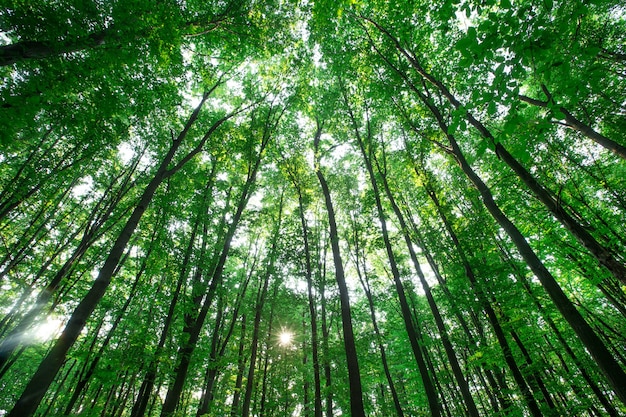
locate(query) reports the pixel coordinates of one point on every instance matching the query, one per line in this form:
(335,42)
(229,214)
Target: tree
(180,183)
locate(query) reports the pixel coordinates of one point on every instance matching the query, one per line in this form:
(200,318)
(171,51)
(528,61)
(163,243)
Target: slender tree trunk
(80,386)
(535,378)
(603,358)
(354,377)
(254,344)
(305,380)
(458,374)
(98,216)
(363,278)
(308,272)
(185,352)
(270,328)
(489,311)
(604,255)
(59,388)
(234,407)
(141,401)
(218,348)
(328,410)
(579,365)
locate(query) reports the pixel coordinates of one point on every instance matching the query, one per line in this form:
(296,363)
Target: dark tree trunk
(328,410)
(362,274)
(141,401)
(97,218)
(185,352)
(82,383)
(354,377)
(431,393)
(24,50)
(603,358)
(218,347)
(602,398)
(489,310)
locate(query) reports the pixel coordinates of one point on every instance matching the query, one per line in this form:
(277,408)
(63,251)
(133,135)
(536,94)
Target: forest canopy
(312,208)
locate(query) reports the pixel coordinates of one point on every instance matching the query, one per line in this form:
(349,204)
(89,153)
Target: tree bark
(24,50)
(185,352)
(92,230)
(531,403)
(431,394)
(308,273)
(354,377)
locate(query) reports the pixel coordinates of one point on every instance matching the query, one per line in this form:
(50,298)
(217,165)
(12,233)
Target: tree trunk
(185,352)
(328,410)
(531,403)
(234,407)
(458,374)
(354,377)
(218,347)
(23,50)
(308,273)
(97,218)
(254,344)
(363,278)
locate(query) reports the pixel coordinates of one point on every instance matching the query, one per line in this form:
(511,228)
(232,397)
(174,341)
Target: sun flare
(285,338)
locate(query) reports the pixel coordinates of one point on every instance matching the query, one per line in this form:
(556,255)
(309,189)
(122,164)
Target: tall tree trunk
(602,398)
(367,153)
(328,409)
(308,273)
(270,328)
(185,352)
(97,218)
(218,347)
(241,363)
(143,395)
(354,376)
(363,278)
(487,307)
(254,344)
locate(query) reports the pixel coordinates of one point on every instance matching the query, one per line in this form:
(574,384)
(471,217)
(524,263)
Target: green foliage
(97,92)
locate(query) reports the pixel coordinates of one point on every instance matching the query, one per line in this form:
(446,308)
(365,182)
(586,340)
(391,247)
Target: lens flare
(285,338)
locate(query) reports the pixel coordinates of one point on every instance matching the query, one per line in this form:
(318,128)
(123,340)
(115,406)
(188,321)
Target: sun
(285,338)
